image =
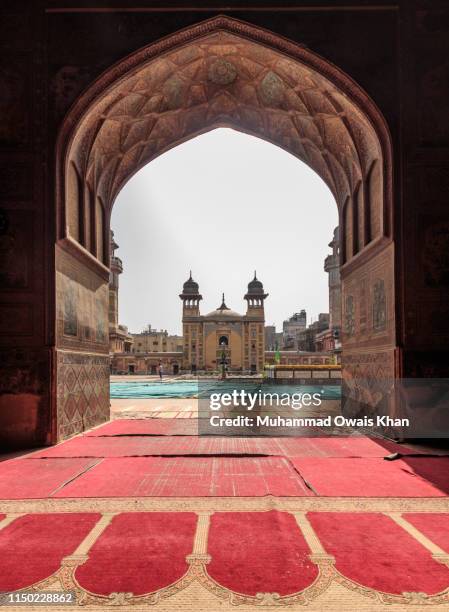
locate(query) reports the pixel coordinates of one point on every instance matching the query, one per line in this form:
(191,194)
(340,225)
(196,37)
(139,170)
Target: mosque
(223,335)
(220,338)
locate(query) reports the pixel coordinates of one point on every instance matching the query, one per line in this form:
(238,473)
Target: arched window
(99,230)
(88,218)
(374,194)
(347,230)
(74,215)
(358,225)
(223,340)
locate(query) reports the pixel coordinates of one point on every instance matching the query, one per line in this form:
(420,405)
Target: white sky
(222,204)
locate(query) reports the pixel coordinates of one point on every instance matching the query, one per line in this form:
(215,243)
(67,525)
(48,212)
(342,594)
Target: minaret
(116,268)
(191,326)
(191,298)
(255,297)
(119,338)
(254,337)
(332,267)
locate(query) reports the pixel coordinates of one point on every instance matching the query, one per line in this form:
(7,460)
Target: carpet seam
(67,482)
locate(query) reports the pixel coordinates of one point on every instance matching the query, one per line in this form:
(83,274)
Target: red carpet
(29,478)
(31,547)
(251,552)
(128,446)
(434,526)
(374,551)
(351,446)
(148,427)
(363,478)
(432,469)
(187,477)
(259,552)
(139,553)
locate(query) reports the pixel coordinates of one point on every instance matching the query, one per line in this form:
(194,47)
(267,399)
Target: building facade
(143,353)
(297,358)
(273,339)
(152,341)
(223,336)
(146,363)
(307,337)
(292,327)
(240,342)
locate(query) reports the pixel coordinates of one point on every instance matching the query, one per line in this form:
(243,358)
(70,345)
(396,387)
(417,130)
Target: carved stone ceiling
(223,79)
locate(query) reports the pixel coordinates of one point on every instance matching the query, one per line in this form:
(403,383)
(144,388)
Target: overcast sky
(223,205)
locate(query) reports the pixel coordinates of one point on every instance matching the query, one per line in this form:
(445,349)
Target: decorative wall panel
(82,392)
(82,306)
(368,340)
(369,303)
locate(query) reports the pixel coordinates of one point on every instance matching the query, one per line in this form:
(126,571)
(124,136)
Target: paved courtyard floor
(162,408)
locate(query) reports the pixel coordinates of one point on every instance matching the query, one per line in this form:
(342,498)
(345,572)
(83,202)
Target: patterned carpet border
(65,579)
(223,504)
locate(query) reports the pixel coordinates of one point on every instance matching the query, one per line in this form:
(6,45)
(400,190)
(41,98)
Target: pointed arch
(224,73)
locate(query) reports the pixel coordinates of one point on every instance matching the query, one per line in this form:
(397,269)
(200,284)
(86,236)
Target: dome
(190,286)
(223,312)
(255,286)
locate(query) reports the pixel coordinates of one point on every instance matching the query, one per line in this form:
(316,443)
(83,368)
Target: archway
(221,72)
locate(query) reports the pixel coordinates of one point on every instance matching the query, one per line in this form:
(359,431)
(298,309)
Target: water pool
(125,390)
(193,388)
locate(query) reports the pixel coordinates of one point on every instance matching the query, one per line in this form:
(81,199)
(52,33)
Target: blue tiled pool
(193,388)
